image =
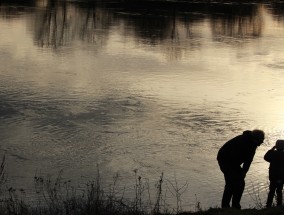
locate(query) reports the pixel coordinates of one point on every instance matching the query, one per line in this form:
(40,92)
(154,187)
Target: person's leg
(272,188)
(238,189)
(279,193)
(228,191)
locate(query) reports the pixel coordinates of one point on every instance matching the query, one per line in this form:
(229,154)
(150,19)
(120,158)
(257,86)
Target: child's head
(280,145)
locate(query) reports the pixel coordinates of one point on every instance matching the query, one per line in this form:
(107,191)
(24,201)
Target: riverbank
(57,196)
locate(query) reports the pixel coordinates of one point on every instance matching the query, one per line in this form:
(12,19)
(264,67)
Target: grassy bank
(55,196)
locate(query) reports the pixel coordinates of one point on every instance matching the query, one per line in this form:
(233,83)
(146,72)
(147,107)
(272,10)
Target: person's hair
(258,135)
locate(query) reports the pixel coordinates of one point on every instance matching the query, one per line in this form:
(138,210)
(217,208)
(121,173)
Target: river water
(149,88)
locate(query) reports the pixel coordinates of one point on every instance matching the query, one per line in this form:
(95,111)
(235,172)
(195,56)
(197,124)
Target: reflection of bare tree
(277,9)
(168,25)
(60,23)
(93,23)
(155,21)
(12,9)
(238,21)
(172,25)
(89,25)
(51,26)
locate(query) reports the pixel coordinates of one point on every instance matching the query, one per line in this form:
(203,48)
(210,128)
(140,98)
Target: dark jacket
(237,151)
(276,167)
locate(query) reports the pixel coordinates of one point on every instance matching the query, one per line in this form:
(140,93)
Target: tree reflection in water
(59,23)
(153,22)
(176,26)
(237,21)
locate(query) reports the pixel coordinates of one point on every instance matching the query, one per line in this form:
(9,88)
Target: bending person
(234,159)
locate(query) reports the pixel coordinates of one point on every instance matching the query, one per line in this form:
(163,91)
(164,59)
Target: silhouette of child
(275,157)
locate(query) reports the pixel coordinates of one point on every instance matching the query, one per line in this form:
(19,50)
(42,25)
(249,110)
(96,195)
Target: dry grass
(59,197)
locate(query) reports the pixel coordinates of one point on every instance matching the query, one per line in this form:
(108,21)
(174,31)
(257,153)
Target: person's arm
(269,153)
(247,164)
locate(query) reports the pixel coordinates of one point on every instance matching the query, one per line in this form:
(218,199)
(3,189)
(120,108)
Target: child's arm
(269,153)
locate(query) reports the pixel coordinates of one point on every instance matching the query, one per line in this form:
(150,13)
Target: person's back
(237,151)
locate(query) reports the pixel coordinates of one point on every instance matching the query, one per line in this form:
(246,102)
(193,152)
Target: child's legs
(272,188)
(279,188)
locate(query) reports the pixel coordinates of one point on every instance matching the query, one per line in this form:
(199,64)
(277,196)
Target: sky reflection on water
(131,87)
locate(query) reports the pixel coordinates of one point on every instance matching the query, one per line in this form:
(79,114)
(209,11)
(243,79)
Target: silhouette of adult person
(234,159)
(275,157)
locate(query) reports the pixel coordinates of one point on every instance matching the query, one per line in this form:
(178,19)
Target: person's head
(258,136)
(280,145)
